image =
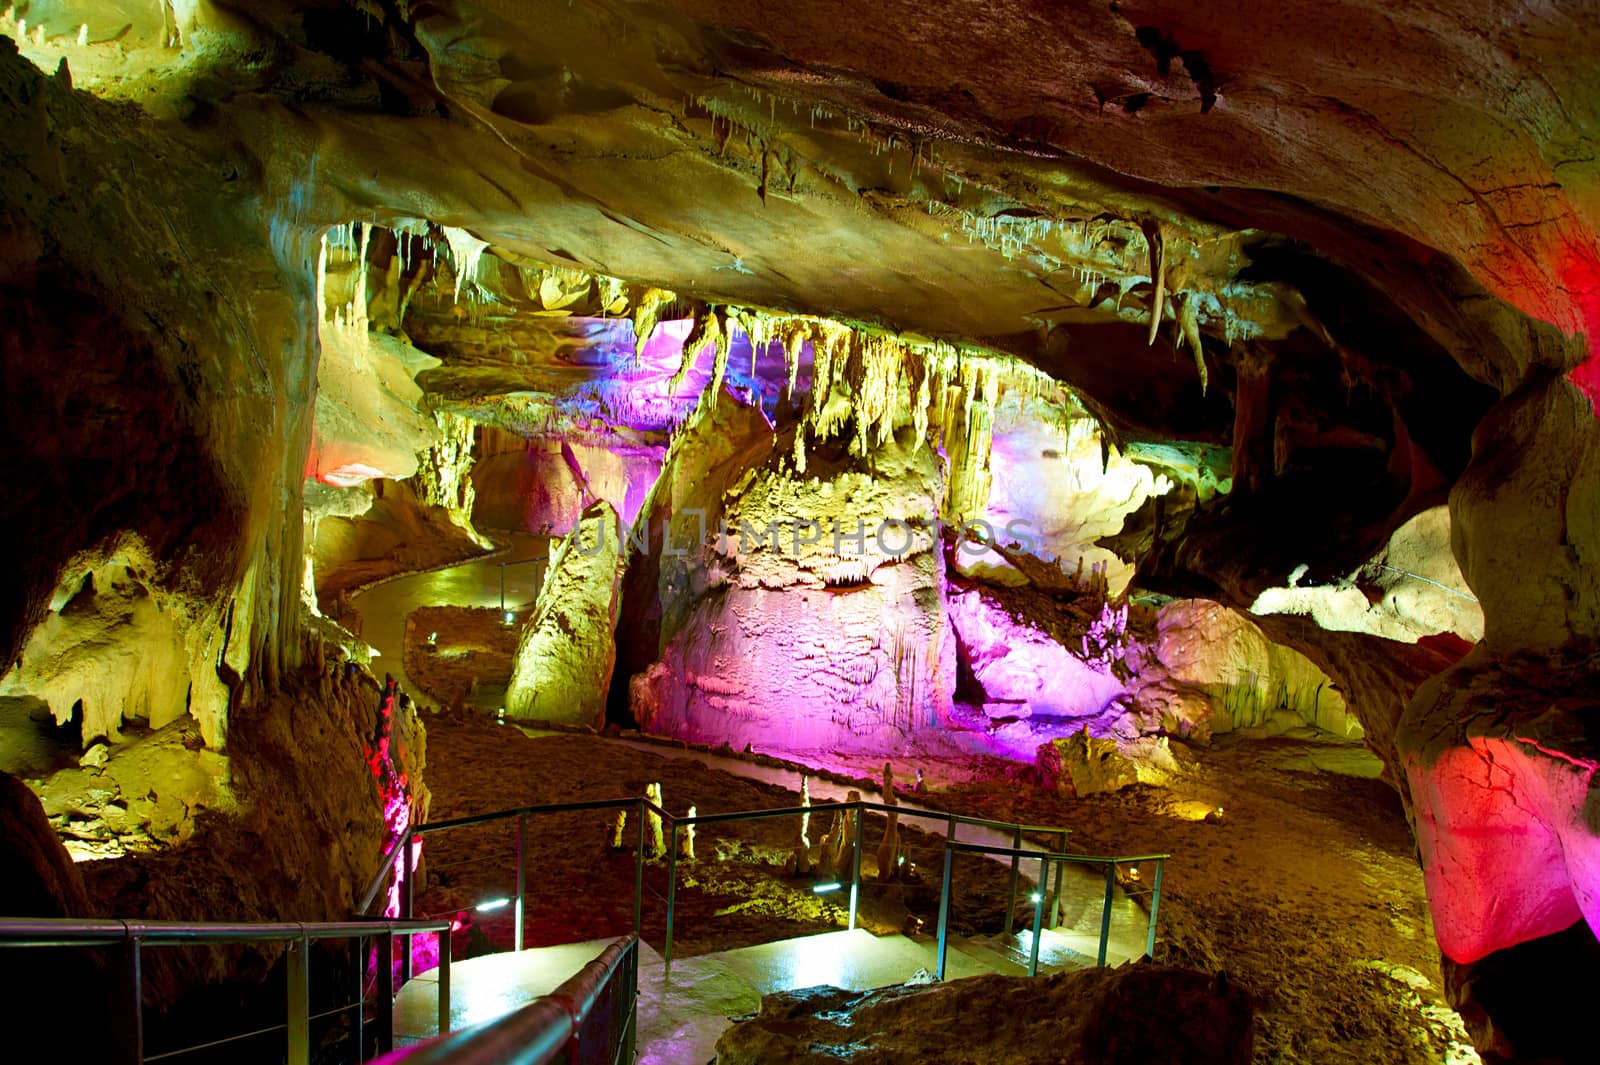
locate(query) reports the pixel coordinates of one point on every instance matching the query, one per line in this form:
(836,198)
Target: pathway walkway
(682,1015)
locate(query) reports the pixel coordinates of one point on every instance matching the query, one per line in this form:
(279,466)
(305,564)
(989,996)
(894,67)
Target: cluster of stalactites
(870,384)
(863,380)
(345,322)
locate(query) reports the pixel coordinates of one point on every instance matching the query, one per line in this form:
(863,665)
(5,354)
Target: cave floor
(1306,890)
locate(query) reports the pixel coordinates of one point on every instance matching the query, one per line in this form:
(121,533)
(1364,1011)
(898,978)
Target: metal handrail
(549,1027)
(134,935)
(88,932)
(642,806)
(1046,860)
(514,562)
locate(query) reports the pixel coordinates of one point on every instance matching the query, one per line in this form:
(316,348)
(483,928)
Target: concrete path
(682,1014)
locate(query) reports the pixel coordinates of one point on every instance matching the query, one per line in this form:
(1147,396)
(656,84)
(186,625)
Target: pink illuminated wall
(1506,854)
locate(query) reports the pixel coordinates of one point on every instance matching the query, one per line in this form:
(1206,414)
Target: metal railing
(592,1019)
(1047,860)
(131,937)
(514,562)
(399,862)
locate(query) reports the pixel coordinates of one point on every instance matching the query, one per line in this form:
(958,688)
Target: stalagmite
(658,841)
(617,829)
(889,849)
(802,848)
(686,839)
(828,849)
(845,860)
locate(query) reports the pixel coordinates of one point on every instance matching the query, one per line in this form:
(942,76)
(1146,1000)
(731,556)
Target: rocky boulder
(1135,1015)
(566,651)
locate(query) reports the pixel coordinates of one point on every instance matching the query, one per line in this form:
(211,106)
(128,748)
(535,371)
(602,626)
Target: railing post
(855,871)
(359,964)
(407,902)
(522,847)
(128,1014)
(1038,916)
(444,981)
(1105,912)
(1055,893)
(1155,904)
(383,1008)
(629,1031)
(1016,868)
(672,893)
(298,960)
(944,905)
(638,876)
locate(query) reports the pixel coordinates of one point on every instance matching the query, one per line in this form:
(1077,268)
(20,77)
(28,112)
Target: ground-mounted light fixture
(824,888)
(490,905)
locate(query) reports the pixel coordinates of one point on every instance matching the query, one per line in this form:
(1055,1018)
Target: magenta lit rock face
(808,669)
(1506,854)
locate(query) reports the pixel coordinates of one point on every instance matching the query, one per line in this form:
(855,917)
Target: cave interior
(1173,423)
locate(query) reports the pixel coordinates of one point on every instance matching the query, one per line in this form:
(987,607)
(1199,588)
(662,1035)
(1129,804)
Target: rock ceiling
(1010,173)
(1278,229)
(1191,217)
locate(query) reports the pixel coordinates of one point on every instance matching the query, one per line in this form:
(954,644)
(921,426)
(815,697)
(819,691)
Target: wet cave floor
(1305,890)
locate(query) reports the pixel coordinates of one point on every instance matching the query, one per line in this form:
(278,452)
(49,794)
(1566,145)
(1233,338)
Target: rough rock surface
(1411,589)
(1082,764)
(1060,488)
(545,485)
(1129,1016)
(1214,670)
(1327,260)
(40,879)
(811,612)
(1022,671)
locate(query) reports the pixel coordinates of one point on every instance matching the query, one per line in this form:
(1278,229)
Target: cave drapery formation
(1276,323)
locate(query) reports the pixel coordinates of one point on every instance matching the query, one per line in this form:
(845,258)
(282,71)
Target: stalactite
(465,251)
(1158,277)
(1189,323)
(646,314)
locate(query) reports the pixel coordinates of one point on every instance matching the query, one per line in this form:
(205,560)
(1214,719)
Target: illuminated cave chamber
(1149,387)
